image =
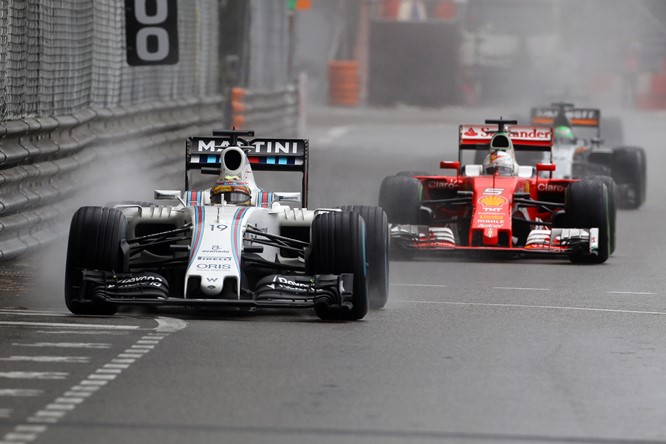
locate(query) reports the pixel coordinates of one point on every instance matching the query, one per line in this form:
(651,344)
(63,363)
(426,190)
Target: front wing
(548,241)
(274,291)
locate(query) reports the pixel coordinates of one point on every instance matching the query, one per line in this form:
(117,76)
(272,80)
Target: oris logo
(550,187)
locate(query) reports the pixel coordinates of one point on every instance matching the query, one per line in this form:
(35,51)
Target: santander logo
(516,133)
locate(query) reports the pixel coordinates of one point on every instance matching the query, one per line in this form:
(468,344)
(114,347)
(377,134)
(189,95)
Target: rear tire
(587,206)
(400,197)
(94,244)
(377,245)
(338,246)
(629,170)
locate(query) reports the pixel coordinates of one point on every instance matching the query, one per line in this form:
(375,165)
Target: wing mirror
(450,165)
(545,167)
(167,195)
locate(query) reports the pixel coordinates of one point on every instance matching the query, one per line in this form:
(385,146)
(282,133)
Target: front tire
(587,206)
(338,246)
(94,244)
(377,245)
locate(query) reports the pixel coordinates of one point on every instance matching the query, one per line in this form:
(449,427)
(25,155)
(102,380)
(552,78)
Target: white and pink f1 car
(520,210)
(232,245)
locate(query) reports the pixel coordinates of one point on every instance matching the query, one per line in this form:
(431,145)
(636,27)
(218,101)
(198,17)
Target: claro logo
(436,184)
(550,187)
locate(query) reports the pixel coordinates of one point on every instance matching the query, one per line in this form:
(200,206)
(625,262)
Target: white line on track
(75,395)
(34,313)
(136,351)
(550,307)
(69,325)
(521,288)
(34,375)
(168,325)
(31,428)
(102,377)
(84,388)
(65,344)
(143,347)
(110,370)
(19,437)
(83,332)
(630,292)
(419,285)
(56,406)
(20,392)
(58,359)
(68,400)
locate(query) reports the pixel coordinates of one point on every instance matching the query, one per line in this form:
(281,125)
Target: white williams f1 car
(230,245)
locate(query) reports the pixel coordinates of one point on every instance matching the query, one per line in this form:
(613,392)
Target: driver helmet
(499,162)
(564,134)
(231,191)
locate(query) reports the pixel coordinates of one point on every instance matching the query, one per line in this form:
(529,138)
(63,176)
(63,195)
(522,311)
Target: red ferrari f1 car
(501,206)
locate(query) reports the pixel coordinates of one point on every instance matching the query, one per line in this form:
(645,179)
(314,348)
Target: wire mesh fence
(81,125)
(78,123)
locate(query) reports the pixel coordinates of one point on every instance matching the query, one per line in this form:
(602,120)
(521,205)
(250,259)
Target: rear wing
(523,138)
(264,154)
(566,114)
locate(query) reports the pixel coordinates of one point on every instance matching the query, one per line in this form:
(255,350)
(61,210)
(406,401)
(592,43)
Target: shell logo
(492,201)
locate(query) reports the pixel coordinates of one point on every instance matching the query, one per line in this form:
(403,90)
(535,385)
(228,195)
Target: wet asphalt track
(465,351)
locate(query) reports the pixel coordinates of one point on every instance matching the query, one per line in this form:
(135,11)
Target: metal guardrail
(45,163)
(48,164)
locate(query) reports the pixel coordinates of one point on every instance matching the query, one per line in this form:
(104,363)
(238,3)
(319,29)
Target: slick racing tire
(611,186)
(377,246)
(338,246)
(400,197)
(94,244)
(629,170)
(587,206)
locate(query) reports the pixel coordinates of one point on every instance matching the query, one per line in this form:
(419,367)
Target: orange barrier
(343,82)
(655,98)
